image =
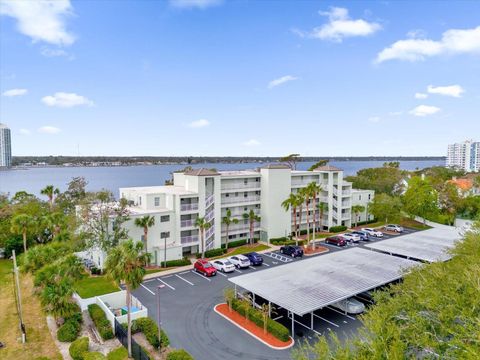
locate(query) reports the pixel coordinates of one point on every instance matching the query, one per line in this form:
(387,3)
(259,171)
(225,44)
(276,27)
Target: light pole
(158,316)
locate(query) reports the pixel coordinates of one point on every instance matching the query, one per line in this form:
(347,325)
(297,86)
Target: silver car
(394,228)
(351,306)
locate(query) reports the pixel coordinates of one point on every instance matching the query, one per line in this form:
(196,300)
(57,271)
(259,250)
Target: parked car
(336,240)
(351,306)
(363,235)
(366,296)
(373,232)
(204,267)
(240,261)
(223,265)
(255,259)
(351,237)
(292,250)
(394,228)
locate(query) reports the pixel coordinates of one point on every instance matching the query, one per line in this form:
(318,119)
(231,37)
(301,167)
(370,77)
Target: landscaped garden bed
(317,250)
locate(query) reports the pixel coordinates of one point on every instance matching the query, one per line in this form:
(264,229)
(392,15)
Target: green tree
(318,164)
(126,264)
(202,225)
(51,192)
(292,202)
(385,180)
(56,298)
(227,220)
(449,200)
(357,209)
(313,190)
(322,208)
(229,296)
(301,199)
(385,207)
(291,160)
(20,225)
(145,222)
(252,218)
(421,199)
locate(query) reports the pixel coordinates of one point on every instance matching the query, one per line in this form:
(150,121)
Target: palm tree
(300,201)
(322,207)
(307,194)
(51,193)
(314,189)
(251,217)
(54,222)
(56,298)
(357,209)
(126,263)
(227,221)
(20,225)
(145,222)
(202,225)
(291,202)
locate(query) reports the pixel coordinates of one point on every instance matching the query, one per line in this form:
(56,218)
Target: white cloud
(424,110)
(281,81)
(49,130)
(189,4)
(15,92)
(374,119)
(199,123)
(421,95)
(24,131)
(66,100)
(41,20)
(454,41)
(48,52)
(452,90)
(251,142)
(341,26)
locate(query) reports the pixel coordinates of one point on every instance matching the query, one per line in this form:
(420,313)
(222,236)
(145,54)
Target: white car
(223,265)
(350,237)
(351,306)
(240,261)
(373,232)
(394,228)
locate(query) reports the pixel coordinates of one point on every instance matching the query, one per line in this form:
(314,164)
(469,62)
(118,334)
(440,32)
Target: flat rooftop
(305,286)
(428,245)
(163,189)
(234,173)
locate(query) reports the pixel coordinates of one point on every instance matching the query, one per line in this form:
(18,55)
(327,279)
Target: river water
(112,178)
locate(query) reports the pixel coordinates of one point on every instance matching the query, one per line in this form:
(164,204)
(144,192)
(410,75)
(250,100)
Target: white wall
(361,197)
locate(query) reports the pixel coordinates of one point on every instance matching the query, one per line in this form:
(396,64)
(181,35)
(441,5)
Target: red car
(336,240)
(204,267)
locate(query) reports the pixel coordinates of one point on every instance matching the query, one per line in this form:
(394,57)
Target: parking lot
(186,308)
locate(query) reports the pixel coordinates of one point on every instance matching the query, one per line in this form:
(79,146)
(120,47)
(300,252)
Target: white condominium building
(209,194)
(362,198)
(465,156)
(5,147)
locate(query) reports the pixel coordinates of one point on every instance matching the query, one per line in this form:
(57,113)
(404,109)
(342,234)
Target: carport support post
(293,324)
(311,320)
(158,317)
(269,309)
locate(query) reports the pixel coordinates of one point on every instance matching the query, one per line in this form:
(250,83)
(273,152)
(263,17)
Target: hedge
(101,322)
(70,330)
(276,329)
(150,329)
(179,262)
(236,243)
(337,229)
(179,354)
(119,353)
(285,241)
(367,222)
(94,356)
(212,253)
(78,348)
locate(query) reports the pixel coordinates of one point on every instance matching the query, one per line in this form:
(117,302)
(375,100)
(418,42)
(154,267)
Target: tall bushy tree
(314,189)
(292,203)
(202,225)
(227,220)
(145,222)
(51,192)
(22,224)
(385,207)
(252,219)
(421,199)
(291,160)
(126,264)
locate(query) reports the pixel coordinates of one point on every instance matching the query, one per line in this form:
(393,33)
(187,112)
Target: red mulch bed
(317,250)
(251,326)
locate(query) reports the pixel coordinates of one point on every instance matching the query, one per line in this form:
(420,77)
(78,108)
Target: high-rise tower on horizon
(5,147)
(465,155)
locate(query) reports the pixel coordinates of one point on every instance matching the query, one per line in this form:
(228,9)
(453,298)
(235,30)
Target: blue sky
(212,77)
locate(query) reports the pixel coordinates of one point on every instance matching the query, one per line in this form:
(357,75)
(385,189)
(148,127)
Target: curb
(251,334)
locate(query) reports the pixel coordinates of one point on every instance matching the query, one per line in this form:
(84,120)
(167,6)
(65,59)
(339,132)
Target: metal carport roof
(305,286)
(428,245)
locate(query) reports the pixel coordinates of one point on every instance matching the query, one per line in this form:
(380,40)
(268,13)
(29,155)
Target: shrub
(119,353)
(212,253)
(95,271)
(38,256)
(179,354)
(236,243)
(94,356)
(148,327)
(101,322)
(78,348)
(367,222)
(337,229)
(70,330)
(179,262)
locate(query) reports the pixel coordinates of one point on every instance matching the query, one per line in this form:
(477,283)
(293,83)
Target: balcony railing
(241,186)
(242,227)
(235,200)
(187,223)
(210,215)
(188,207)
(209,200)
(189,239)
(210,231)
(346,193)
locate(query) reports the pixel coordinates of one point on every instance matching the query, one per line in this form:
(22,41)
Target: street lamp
(158,316)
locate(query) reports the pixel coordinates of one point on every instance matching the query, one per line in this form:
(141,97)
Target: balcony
(187,223)
(241,186)
(240,200)
(189,239)
(301,183)
(209,216)
(189,207)
(209,201)
(242,228)
(346,204)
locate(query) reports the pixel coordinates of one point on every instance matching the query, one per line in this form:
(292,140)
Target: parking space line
(188,282)
(167,276)
(298,322)
(163,282)
(220,273)
(265,264)
(150,291)
(328,321)
(251,267)
(146,281)
(203,277)
(238,271)
(185,272)
(341,313)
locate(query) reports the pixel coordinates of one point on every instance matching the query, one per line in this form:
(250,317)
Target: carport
(428,245)
(302,287)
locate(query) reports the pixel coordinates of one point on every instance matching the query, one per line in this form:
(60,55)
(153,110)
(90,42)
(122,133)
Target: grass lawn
(414,224)
(95,286)
(118,354)
(39,342)
(247,248)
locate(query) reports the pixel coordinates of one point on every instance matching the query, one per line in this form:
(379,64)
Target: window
(245,195)
(257,179)
(165,218)
(139,200)
(244,209)
(156,201)
(227,195)
(257,192)
(369,196)
(164,234)
(359,197)
(245,181)
(236,194)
